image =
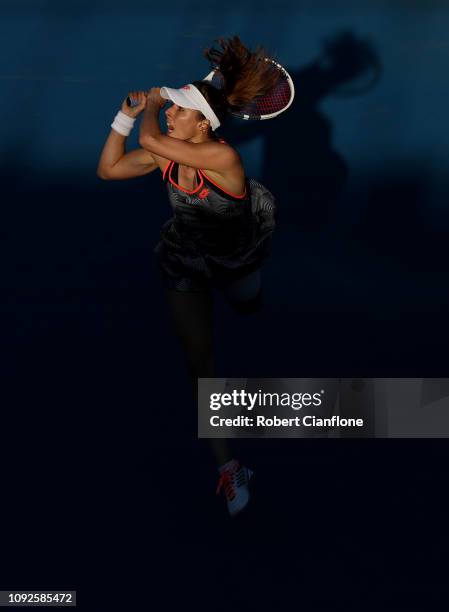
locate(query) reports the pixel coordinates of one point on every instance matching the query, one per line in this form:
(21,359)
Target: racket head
(268,106)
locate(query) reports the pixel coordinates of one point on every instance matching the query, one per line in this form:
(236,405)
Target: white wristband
(123,124)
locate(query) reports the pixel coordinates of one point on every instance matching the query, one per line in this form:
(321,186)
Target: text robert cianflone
(262,421)
(248,400)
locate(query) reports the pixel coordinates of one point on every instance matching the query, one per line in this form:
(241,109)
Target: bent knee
(247,307)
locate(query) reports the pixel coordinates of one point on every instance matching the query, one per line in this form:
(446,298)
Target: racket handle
(131,102)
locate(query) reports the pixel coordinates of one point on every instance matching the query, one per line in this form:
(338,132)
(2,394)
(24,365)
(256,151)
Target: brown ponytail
(246,74)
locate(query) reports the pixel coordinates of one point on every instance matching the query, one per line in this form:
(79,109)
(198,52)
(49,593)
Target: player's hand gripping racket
(270,105)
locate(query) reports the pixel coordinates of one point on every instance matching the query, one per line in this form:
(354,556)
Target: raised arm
(115,163)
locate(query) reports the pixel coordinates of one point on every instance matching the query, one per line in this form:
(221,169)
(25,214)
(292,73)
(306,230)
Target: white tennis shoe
(234,479)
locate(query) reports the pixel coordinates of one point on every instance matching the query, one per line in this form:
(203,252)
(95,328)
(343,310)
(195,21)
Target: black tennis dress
(214,237)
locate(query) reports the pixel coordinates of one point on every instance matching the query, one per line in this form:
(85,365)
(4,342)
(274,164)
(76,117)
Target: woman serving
(222,221)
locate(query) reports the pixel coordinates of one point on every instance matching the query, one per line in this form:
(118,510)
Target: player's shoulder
(222,145)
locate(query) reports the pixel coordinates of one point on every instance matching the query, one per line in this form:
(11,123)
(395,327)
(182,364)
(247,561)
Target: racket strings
(275,100)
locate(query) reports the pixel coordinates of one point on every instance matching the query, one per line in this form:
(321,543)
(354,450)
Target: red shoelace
(227,481)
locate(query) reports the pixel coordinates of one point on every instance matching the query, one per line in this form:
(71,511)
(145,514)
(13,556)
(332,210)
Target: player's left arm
(208,156)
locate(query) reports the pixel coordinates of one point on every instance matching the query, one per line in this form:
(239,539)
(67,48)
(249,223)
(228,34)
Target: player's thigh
(244,289)
(192,316)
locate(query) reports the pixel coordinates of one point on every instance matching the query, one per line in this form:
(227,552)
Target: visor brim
(178,96)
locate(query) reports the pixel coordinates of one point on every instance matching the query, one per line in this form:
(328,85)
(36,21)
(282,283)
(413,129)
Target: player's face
(182,123)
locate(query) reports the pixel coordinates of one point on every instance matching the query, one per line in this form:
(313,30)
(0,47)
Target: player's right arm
(115,163)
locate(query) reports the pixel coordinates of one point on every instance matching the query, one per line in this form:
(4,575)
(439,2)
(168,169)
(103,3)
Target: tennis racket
(268,106)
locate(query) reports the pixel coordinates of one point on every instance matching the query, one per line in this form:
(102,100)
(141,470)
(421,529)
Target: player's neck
(200,138)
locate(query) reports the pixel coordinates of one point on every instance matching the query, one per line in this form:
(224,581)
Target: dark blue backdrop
(104,477)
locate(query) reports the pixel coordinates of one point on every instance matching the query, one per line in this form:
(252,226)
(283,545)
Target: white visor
(190,96)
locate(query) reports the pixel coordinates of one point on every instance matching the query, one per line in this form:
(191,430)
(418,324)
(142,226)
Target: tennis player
(222,221)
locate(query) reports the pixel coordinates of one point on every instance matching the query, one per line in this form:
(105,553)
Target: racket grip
(131,102)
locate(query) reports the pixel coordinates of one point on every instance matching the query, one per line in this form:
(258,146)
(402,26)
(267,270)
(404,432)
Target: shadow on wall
(299,163)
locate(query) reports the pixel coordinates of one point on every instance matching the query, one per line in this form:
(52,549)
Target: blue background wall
(358,164)
(99,404)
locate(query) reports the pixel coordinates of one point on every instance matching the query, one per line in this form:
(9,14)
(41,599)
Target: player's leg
(245,294)
(192,315)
